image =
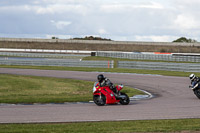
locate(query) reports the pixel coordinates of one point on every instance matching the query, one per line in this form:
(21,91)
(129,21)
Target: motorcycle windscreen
(94,87)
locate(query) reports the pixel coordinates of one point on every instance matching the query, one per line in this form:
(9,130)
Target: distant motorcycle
(196,89)
(104,95)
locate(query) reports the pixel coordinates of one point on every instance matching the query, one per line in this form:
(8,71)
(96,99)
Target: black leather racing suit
(107,82)
(196,81)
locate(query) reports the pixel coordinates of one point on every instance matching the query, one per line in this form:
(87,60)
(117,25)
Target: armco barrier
(184,67)
(148,56)
(55,62)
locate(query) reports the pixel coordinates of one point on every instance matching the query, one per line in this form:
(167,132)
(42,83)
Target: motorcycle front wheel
(197,93)
(99,100)
(126,100)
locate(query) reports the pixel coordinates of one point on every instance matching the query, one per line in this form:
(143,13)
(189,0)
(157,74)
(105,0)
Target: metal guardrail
(55,62)
(185,67)
(46,51)
(162,57)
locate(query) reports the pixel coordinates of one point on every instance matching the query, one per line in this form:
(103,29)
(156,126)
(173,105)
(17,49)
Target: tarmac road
(173,100)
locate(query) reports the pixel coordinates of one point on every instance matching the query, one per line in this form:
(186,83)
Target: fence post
(112,64)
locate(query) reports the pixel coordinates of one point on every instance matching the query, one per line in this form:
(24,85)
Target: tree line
(184,39)
(181,39)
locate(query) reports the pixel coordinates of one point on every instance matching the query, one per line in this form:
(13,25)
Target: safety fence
(185,67)
(186,57)
(55,62)
(160,57)
(46,51)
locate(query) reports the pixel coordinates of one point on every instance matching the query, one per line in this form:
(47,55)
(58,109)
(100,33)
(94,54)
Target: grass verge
(117,70)
(106,127)
(32,89)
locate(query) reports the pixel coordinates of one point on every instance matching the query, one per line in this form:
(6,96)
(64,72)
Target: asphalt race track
(173,100)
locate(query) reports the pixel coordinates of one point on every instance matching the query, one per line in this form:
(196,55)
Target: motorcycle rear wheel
(197,93)
(99,100)
(124,101)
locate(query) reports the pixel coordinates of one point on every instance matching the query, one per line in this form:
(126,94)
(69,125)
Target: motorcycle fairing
(110,97)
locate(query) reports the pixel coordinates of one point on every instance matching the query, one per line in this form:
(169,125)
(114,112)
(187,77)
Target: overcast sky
(119,20)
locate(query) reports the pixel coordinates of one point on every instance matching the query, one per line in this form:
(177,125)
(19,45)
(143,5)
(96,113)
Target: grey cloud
(118,19)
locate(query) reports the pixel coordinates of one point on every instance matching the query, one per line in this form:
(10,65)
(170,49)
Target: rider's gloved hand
(112,87)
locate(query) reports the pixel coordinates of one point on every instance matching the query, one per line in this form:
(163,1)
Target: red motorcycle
(104,95)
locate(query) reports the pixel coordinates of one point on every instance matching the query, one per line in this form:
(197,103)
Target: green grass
(32,89)
(117,70)
(106,127)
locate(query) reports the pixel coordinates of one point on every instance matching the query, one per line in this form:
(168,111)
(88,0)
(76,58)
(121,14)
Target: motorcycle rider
(103,81)
(194,80)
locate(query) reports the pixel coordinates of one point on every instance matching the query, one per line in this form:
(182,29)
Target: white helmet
(192,76)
